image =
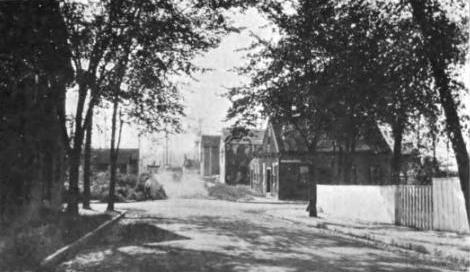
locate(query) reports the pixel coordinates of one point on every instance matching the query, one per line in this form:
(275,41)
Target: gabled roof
(210,140)
(254,136)
(407,144)
(125,155)
(289,139)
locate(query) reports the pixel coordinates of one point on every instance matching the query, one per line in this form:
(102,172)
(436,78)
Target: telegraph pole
(166,148)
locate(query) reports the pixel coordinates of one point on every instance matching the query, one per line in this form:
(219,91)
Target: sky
(206,107)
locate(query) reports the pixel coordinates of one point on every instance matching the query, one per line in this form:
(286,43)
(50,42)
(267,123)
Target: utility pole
(166,148)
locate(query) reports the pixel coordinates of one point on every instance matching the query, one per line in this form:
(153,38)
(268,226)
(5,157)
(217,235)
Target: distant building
(153,168)
(236,152)
(209,155)
(127,160)
(284,167)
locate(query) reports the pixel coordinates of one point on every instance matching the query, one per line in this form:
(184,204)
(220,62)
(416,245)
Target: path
(211,235)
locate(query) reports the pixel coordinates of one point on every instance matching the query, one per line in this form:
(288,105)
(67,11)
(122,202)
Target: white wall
(362,202)
(449,205)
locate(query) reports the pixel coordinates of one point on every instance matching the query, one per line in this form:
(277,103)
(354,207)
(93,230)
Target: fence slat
(415,206)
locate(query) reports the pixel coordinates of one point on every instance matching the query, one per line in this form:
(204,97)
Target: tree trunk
(312,201)
(73,192)
(435,51)
(397,146)
(75,153)
(113,158)
(347,167)
(454,132)
(86,166)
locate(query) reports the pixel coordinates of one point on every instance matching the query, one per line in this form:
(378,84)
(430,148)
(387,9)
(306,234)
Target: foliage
(336,63)
(136,49)
(128,52)
(341,66)
(128,188)
(231,193)
(445,44)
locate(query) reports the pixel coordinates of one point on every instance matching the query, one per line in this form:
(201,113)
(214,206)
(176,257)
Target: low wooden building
(127,160)
(209,155)
(236,152)
(285,167)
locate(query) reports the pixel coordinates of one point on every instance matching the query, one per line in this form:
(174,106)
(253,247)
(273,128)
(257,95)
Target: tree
(338,69)
(105,35)
(443,44)
(318,76)
(284,88)
(403,78)
(34,70)
(87,165)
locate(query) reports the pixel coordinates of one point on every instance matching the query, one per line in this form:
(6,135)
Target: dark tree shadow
(137,245)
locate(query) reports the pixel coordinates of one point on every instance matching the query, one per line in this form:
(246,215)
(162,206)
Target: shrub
(128,187)
(127,180)
(231,193)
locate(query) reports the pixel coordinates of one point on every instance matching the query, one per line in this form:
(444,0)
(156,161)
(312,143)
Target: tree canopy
(128,52)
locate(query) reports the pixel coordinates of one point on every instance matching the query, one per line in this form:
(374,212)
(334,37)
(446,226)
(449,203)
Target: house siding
(367,168)
(292,184)
(236,162)
(236,155)
(298,168)
(209,155)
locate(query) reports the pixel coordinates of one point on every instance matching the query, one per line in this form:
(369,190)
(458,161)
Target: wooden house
(209,155)
(285,167)
(282,168)
(236,152)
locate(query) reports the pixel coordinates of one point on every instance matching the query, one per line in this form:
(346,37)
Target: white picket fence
(415,206)
(439,206)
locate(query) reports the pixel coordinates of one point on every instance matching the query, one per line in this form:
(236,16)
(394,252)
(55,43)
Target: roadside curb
(416,249)
(55,258)
(272,202)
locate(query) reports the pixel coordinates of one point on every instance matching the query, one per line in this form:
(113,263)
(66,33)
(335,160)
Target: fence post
(397,204)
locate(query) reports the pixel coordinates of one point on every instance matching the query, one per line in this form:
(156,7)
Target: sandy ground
(194,234)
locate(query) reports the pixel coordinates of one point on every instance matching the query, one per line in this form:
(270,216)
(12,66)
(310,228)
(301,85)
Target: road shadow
(133,232)
(233,245)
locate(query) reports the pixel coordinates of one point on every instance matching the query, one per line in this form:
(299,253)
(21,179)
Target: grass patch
(24,247)
(231,193)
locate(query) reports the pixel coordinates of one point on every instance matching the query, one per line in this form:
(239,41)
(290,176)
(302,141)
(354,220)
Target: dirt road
(211,235)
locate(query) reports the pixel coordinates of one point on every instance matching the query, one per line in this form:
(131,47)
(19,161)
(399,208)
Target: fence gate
(414,206)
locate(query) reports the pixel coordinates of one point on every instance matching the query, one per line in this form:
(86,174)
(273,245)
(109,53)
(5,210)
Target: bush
(137,196)
(231,193)
(128,187)
(127,180)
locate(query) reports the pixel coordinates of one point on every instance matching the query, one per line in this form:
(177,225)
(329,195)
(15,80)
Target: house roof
(254,136)
(407,144)
(125,155)
(210,140)
(289,139)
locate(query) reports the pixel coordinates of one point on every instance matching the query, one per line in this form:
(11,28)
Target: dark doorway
(268,180)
